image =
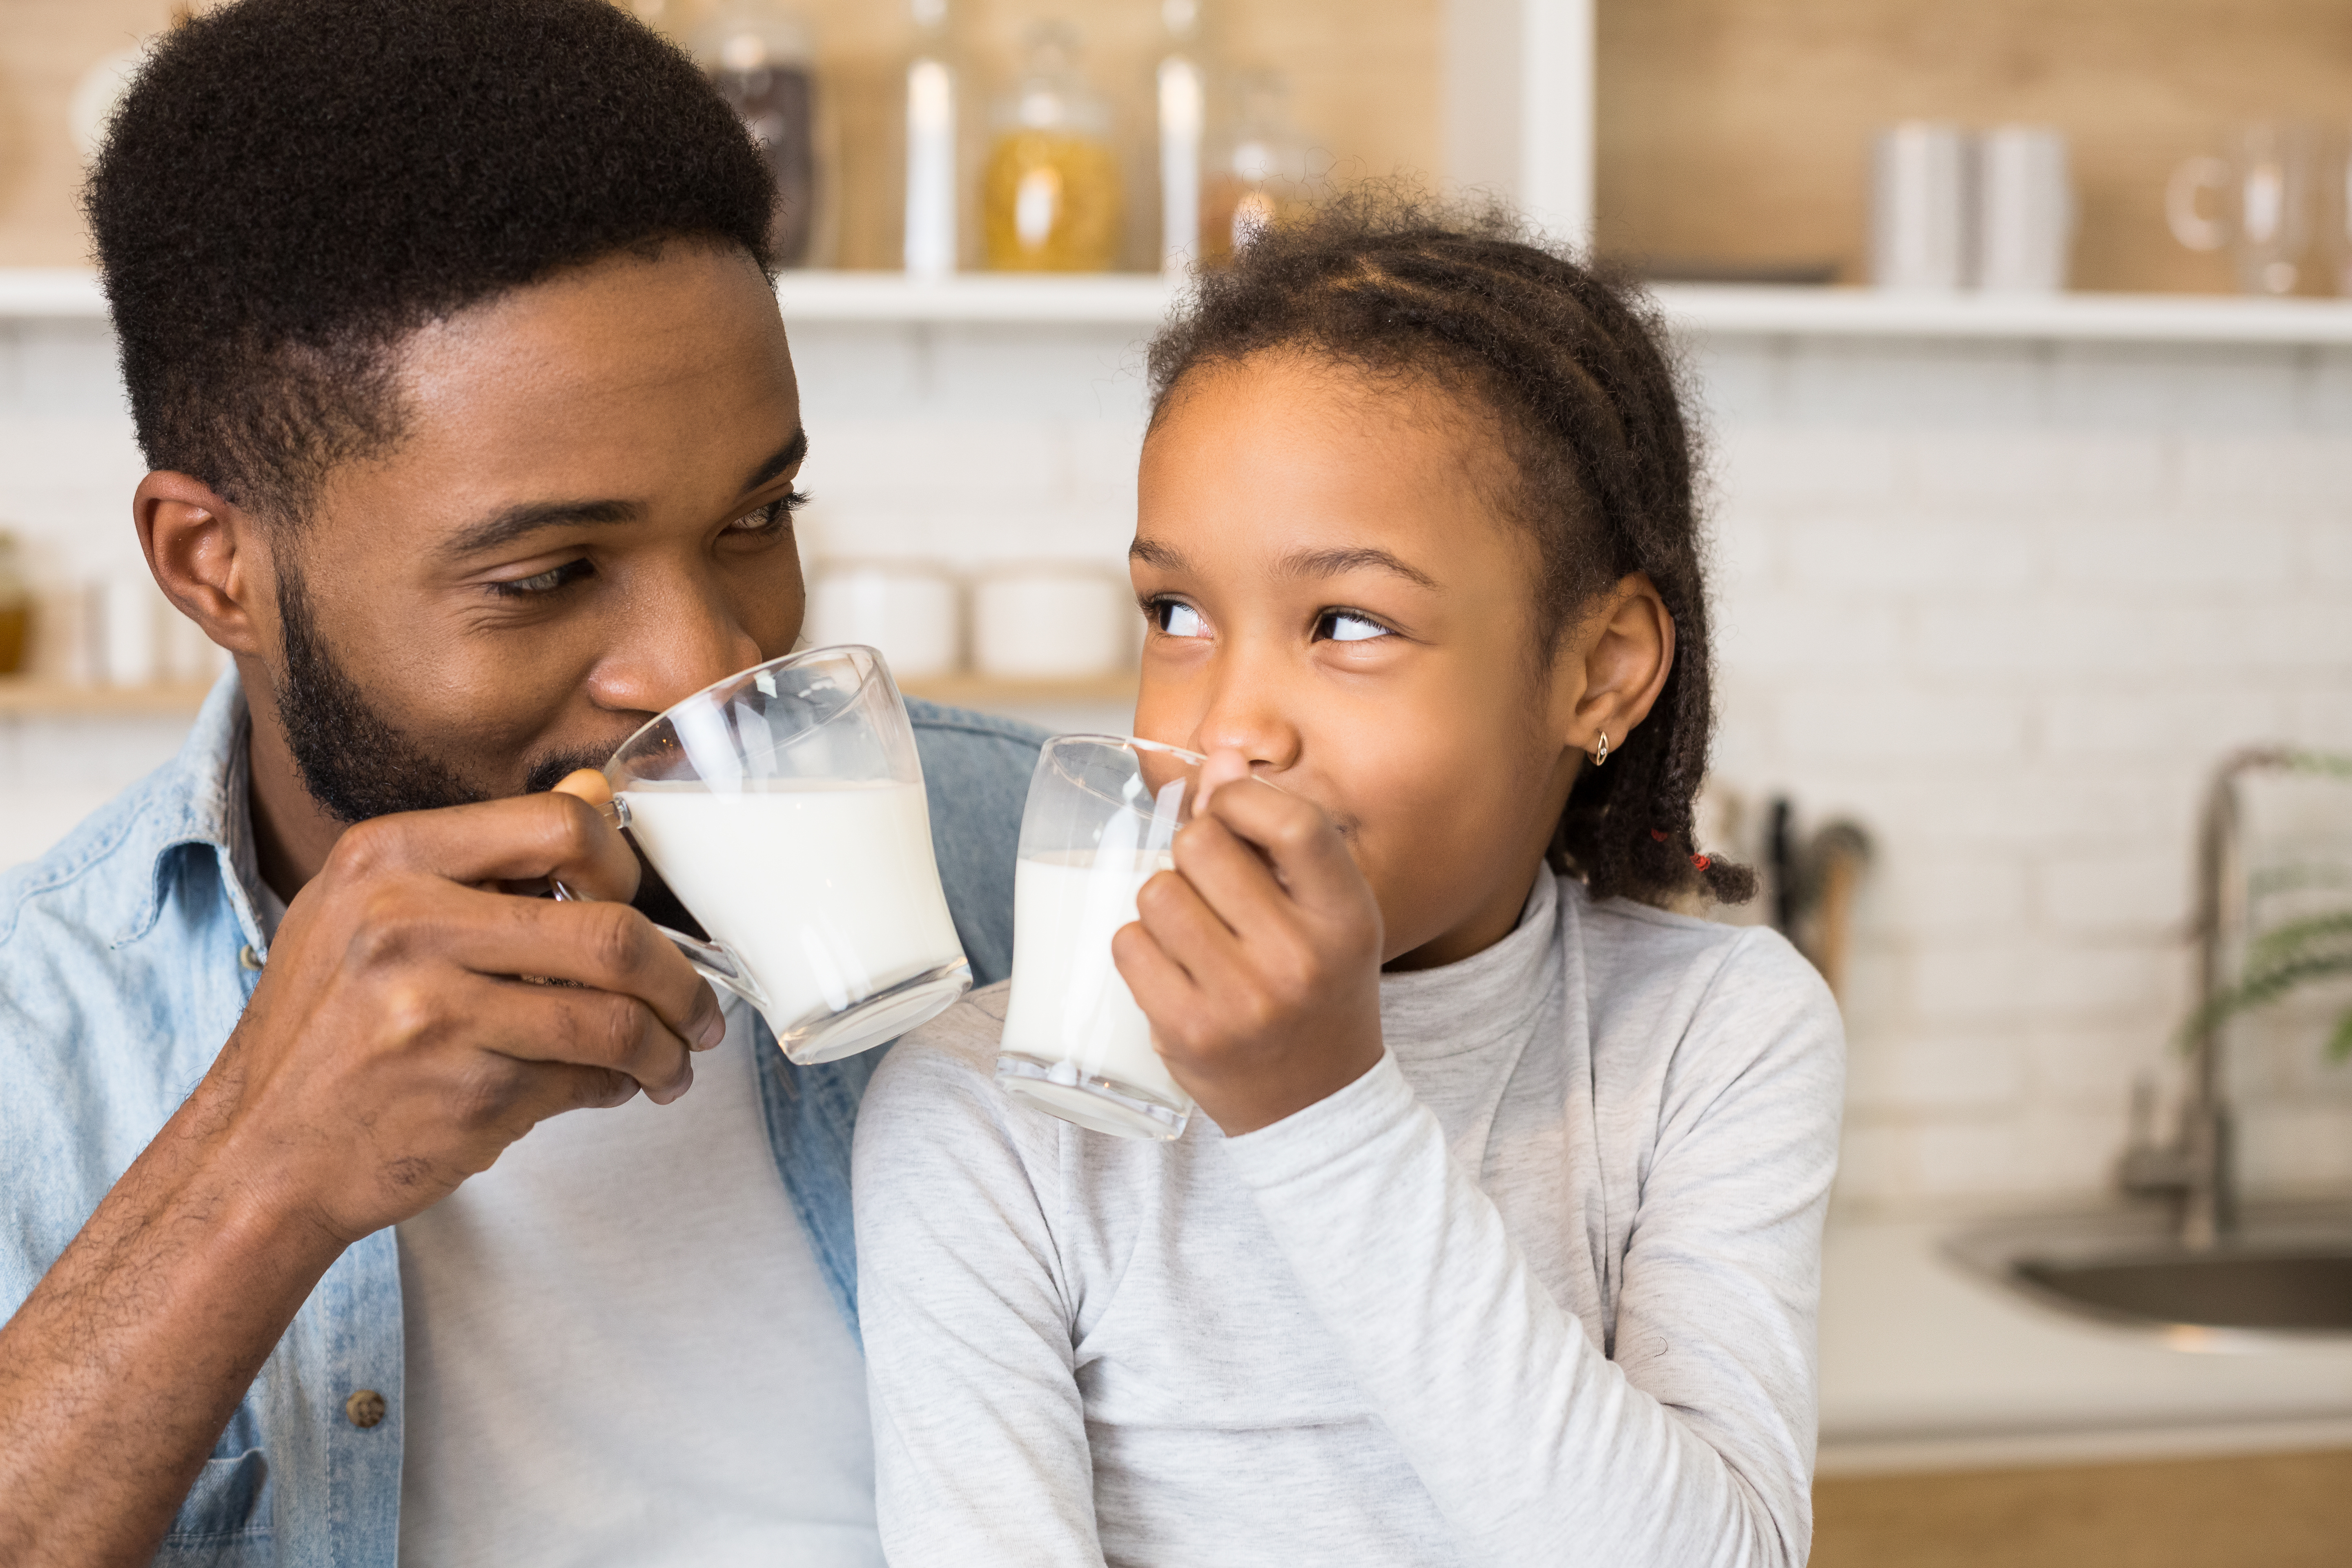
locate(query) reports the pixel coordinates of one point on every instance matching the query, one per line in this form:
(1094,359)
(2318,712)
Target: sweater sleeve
(979,1436)
(1696,1445)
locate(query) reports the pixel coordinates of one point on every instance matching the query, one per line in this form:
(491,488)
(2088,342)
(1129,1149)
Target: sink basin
(2232,1289)
(2285,1272)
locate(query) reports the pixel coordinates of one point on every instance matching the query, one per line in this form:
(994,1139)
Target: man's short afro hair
(292,186)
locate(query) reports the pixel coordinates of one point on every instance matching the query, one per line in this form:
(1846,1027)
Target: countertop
(1928,1365)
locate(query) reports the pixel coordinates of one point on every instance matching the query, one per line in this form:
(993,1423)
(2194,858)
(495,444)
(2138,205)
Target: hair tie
(1659,834)
(1701,861)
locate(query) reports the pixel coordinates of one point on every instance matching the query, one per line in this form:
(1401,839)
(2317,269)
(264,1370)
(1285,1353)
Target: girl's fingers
(1176,916)
(1308,854)
(1232,878)
(1160,984)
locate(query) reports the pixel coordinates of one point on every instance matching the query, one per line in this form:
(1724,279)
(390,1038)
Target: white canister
(1053,622)
(1920,207)
(911,610)
(131,629)
(2025,210)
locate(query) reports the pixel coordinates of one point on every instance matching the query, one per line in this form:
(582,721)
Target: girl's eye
(542,583)
(769,518)
(1346,626)
(1176,618)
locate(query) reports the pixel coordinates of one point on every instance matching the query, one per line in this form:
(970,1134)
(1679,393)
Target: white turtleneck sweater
(1538,1287)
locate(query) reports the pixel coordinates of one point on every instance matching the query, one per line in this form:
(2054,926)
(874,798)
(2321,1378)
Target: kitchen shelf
(31,698)
(1734,311)
(985,691)
(1140,301)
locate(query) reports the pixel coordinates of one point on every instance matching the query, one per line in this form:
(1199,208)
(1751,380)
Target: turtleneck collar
(1485,999)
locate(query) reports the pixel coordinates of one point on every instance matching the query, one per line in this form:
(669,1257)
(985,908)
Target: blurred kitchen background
(2018,332)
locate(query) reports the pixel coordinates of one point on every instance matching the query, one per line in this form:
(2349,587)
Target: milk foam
(826,890)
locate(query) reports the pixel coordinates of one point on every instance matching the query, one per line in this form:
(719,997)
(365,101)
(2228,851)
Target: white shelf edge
(1757,312)
(1135,298)
(50,293)
(1142,300)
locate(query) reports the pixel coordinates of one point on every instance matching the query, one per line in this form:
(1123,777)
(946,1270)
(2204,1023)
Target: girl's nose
(1249,716)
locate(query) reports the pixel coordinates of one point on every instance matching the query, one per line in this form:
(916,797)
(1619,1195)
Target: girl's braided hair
(1393,285)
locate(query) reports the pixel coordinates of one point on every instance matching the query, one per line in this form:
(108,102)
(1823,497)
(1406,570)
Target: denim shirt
(127,955)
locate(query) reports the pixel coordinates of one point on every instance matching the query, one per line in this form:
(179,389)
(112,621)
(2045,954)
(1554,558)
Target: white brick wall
(2003,604)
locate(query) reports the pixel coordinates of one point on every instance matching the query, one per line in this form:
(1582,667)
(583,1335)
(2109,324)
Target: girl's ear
(1617,659)
(208,557)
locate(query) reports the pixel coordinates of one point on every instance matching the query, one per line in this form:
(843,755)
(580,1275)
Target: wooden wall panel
(1363,77)
(1739,130)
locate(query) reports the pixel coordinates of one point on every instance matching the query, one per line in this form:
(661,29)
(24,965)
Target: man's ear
(209,557)
(1620,654)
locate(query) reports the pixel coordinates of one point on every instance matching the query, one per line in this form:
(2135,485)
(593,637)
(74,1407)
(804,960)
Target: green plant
(2290,956)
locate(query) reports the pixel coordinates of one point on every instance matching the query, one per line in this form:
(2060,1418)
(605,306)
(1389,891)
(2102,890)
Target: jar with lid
(15,606)
(759,55)
(1050,198)
(1259,169)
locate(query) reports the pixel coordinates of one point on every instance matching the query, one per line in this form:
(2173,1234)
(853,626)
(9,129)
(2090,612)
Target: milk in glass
(1070,1003)
(826,889)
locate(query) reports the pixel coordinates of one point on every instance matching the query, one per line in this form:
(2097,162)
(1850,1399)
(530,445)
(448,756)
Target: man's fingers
(529,838)
(549,1088)
(597,1030)
(607,947)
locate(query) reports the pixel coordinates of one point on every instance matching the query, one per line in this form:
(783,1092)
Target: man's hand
(1258,960)
(391,1049)
(390,1052)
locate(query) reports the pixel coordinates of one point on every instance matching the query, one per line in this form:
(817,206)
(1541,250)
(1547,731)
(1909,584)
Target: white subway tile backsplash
(1920,550)
(1937,1072)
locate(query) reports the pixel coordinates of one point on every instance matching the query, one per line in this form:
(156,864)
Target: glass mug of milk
(1100,822)
(785,807)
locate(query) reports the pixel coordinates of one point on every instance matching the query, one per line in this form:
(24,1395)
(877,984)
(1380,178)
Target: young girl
(1496,1237)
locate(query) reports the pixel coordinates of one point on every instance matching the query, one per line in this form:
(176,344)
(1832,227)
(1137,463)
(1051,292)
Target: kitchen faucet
(2197,1170)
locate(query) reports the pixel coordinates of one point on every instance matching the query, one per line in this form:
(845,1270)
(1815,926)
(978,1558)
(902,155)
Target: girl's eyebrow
(1337,563)
(1298,563)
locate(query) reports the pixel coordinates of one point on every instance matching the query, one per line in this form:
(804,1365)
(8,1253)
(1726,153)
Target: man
(475,437)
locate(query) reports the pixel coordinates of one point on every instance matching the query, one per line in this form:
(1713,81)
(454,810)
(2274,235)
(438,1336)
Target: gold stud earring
(1601,751)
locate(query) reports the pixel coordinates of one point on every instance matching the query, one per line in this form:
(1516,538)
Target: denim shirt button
(246,958)
(366,1408)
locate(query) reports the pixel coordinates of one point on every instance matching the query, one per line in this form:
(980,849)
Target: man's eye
(769,518)
(1346,626)
(546,582)
(1176,618)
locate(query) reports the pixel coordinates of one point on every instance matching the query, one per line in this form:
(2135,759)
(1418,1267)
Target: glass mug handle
(712,960)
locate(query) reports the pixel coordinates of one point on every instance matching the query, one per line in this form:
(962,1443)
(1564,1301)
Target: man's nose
(682,642)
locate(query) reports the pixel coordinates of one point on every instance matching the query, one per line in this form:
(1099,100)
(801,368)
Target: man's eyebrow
(1334,563)
(786,458)
(515,523)
(503,528)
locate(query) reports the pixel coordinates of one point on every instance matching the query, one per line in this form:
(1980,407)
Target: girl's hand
(1259,959)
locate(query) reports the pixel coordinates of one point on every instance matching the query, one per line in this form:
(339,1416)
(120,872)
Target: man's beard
(357,764)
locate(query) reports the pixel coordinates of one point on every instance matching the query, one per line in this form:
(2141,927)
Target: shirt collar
(200,799)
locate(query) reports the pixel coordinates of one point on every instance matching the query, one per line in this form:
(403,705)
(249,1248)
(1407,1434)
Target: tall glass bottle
(932,105)
(1181,81)
(1050,190)
(1260,168)
(758,54)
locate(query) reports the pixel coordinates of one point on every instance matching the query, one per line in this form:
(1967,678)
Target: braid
(1395,287)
